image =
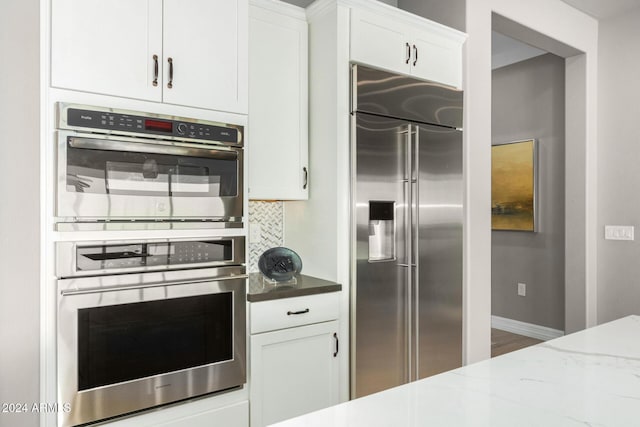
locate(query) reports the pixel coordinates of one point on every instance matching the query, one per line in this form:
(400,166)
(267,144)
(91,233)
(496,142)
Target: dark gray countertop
(260,290)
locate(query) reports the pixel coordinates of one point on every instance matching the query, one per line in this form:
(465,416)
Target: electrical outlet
(255,232)
(522,289)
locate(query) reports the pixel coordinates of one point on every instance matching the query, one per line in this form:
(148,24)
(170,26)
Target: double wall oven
(146,323)
(120,169)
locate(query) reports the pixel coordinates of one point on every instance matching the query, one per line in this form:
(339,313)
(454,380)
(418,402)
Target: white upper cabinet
(278,93)
(107,46)
(207,44)
(187,52)
(408,45)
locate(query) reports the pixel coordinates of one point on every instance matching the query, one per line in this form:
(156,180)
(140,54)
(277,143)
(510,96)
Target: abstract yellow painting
(513,177)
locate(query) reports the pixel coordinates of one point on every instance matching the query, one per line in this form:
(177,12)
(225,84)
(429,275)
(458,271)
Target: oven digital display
(158,125)
(161,249)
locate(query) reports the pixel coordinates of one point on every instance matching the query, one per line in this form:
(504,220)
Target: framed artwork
(513,186)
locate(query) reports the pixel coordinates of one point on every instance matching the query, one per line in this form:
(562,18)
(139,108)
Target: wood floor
(505,342)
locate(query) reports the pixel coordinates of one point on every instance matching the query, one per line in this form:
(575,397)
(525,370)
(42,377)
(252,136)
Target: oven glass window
(132,173)
(129,341)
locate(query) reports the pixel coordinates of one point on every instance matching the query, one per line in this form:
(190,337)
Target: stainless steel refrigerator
(406,266)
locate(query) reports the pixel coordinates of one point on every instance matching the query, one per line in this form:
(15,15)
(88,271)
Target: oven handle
(142,147)
(148,285)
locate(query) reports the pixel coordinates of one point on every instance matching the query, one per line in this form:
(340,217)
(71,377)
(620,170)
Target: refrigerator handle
(409,251)
(406,182)
(415,191)
(415,222)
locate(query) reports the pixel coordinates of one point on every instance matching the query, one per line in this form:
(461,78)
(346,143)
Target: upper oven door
(123,178)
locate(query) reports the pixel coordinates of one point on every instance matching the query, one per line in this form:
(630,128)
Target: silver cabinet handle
(408,53)
(306,178)
(415,55)
(170,83)
(155,70)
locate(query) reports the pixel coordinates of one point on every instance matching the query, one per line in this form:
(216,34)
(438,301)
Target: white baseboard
(527,329)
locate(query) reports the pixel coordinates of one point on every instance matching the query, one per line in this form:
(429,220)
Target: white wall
(618,158)
(19,209)
(572,28)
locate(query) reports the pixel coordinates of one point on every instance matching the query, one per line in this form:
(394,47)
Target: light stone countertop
(589,378)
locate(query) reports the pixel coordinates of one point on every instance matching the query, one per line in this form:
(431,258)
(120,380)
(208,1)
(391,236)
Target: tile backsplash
(269,216)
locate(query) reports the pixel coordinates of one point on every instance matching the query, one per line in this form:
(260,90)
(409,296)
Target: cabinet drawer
(291,312)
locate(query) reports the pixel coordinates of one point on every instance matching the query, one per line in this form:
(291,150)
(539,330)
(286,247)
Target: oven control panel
(125,122)
(109,257)
(105,258)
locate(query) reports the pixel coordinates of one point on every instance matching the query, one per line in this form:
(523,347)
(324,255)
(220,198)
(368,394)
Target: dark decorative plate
(279,264)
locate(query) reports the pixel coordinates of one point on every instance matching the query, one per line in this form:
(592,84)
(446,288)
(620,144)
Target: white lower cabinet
(293,371)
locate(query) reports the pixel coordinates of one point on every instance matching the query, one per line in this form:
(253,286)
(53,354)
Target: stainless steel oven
(123,169)
(138,325)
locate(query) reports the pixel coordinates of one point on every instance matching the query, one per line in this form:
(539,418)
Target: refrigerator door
(380,310)
(437,226)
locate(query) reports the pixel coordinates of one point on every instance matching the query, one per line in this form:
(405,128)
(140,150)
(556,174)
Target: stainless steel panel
(403,97)
(439,246)
(117,399)
(380,292)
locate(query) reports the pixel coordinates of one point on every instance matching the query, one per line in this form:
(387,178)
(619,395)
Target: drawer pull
(335,336)
(289,313)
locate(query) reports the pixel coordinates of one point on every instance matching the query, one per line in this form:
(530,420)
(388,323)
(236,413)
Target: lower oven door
(121,178)
(131,342)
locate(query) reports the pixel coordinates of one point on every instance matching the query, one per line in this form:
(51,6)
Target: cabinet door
(436,57)
(107,46)
(380,41)
(205,54)
(278,110)
(293,372)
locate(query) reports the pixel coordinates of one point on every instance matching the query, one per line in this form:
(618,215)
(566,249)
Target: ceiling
(603,9)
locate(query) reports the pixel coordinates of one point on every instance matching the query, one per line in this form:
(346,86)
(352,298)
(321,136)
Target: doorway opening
(534,296)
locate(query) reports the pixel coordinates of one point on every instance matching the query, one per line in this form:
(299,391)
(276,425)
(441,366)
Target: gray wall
(618,171)
(19,209)
(528,102)
(447,12)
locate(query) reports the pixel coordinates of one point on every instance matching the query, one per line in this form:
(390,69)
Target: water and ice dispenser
(382,226)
